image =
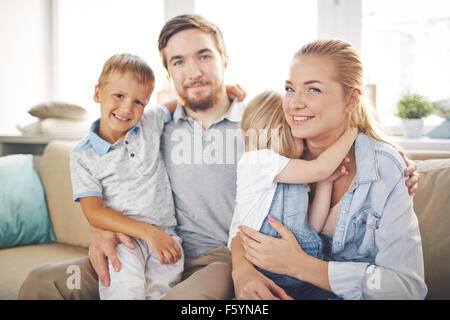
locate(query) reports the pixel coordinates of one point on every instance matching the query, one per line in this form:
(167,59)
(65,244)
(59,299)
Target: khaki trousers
(206,277)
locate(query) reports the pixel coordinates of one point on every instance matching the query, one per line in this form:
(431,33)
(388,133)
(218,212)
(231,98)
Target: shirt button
(126,141)
(132,155)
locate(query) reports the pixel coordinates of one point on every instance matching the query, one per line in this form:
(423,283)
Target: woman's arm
(303,171)
(101,217)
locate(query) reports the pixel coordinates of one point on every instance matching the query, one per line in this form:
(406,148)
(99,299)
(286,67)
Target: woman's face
(314,103)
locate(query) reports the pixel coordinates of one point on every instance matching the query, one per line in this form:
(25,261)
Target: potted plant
(412,108)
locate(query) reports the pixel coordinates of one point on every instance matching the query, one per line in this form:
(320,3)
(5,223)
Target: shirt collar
(234,113)
(366,163)
(100,145)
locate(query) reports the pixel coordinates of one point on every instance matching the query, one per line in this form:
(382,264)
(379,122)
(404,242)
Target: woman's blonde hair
(349,73)
(264,125)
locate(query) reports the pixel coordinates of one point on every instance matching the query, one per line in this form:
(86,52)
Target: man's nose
(194,70)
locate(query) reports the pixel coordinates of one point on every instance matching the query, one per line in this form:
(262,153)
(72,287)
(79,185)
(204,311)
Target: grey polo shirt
(128,175)
(201,165)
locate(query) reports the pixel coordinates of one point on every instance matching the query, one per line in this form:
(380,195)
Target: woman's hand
(278,255)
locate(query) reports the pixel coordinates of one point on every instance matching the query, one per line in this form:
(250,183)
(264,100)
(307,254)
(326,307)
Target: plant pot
(412,128)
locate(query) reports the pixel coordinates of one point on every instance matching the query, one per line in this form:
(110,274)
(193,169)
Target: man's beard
(200,104)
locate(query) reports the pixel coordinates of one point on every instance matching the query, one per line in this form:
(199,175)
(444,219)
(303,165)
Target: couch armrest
(69,223)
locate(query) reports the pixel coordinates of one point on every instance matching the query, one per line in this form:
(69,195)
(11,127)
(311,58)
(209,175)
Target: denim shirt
(376,250)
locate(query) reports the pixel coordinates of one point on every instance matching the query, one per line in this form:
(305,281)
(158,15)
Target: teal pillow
(24,215)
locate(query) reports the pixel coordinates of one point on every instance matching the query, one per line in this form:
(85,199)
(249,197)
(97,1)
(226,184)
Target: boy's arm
(303,171)
(101,217)
(171,105)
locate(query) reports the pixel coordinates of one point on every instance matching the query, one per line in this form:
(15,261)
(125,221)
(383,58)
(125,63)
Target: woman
(371,237)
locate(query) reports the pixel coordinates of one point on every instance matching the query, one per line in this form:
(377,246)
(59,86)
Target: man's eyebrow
(205,50)
(175,58)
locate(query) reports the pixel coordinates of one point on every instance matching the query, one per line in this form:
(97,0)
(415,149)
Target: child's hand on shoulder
(339,172)
(162,245)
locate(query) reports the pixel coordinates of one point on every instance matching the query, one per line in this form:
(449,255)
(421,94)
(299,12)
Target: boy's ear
(97,94)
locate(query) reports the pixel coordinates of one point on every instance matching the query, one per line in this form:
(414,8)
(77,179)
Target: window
(89,32)
(261,37)
(405,47)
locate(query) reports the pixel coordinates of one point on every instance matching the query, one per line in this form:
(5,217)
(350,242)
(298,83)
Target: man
(201,148)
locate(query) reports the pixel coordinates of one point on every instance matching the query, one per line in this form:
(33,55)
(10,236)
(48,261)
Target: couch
(431,204)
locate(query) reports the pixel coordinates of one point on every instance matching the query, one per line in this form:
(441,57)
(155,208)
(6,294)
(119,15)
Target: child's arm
(320,207)
(303,171)
(159,241)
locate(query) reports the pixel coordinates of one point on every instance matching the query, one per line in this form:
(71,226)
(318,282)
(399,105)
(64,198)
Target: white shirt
(255,188)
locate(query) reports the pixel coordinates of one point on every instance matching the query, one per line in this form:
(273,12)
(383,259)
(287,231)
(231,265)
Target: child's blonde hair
(264,125)
(125,62)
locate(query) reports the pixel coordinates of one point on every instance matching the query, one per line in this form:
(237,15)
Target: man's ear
(97,94)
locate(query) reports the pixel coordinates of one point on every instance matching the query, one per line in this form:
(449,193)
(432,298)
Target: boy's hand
(163,245)
(236,91)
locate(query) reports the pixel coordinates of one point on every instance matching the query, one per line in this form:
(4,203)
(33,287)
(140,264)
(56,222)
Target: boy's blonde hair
(125,62)
(349,73)
(264,125)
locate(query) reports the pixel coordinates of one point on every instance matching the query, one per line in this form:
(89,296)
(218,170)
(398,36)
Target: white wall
(25,58)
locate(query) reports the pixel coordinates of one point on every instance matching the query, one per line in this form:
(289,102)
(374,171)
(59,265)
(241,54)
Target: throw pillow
(24,216)
(59,110)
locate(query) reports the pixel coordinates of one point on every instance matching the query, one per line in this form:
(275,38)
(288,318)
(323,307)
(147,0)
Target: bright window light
(88,32)
(261,37)
(406,47)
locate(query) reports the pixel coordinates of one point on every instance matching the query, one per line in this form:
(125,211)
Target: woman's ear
(353,99)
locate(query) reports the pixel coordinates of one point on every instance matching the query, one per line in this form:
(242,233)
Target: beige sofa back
(432,206)
(69,222)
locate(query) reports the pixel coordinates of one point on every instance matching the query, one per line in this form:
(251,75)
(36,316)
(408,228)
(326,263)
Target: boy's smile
(122,100)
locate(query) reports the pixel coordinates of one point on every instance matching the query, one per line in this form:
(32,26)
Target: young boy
(119,178)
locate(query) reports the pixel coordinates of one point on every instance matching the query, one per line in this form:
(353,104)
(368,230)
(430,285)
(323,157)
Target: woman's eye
(204,57)
(119,96)
(313,90)
(139,103)
(289,89)
(178,63)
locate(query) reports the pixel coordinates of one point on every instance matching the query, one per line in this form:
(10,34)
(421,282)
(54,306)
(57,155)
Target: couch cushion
(23,211)
(69,223)
(432,206)
(15,263)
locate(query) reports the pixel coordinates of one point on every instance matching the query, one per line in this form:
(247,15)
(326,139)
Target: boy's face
(196,68)
(122,100)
